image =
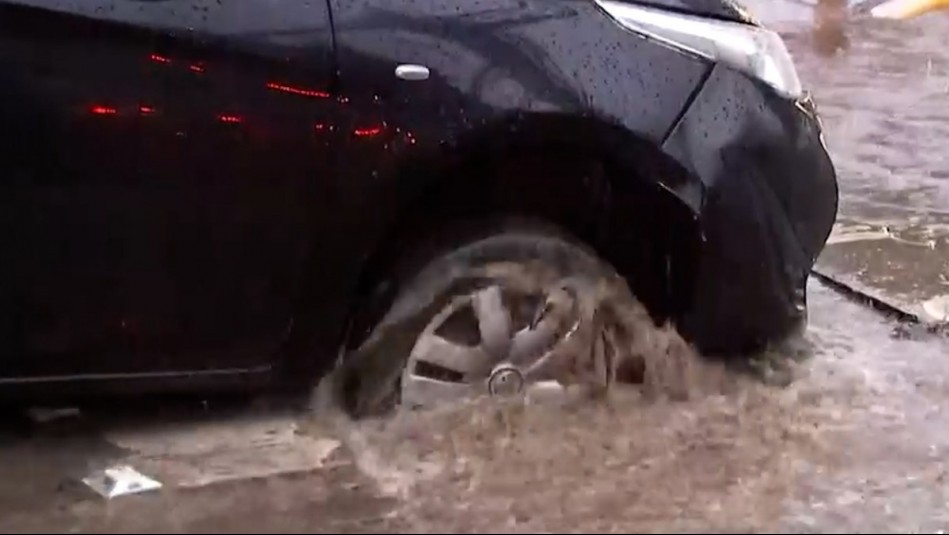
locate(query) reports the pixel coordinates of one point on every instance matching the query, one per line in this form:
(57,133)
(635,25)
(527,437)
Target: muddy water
(885,103)
(858,441)
(880,403)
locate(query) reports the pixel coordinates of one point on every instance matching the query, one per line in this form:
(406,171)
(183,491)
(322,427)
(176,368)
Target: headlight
(755,50)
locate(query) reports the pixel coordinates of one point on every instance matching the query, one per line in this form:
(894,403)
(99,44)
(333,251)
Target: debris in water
(119,481)
(937,308)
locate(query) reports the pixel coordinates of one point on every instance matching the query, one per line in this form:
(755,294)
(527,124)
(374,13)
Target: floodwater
(858,441)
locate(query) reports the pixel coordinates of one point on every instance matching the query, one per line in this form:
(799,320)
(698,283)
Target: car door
(158,161)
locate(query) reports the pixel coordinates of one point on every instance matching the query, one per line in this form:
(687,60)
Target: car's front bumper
(769,203)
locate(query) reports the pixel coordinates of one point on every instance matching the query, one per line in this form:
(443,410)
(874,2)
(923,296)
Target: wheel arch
(587,177)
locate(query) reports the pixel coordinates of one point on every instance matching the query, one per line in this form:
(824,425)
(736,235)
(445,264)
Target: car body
(202,194)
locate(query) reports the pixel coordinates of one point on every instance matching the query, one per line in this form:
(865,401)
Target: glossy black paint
(155,199)
(770,203)
(199,191)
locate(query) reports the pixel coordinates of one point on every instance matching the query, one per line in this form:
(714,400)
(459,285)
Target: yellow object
(907,9)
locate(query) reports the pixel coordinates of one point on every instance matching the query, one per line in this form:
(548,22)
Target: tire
(492,274)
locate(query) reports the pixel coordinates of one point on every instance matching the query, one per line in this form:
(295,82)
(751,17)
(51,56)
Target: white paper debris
(120,481)
(937,308)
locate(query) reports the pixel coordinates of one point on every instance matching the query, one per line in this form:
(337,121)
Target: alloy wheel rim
(496,340)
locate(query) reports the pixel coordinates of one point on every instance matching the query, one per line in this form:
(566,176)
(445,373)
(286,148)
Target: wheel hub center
(505,380)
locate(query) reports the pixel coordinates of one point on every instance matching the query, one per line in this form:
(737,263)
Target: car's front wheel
(493,315)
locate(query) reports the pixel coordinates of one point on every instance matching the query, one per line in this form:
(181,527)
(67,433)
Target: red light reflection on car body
(283,88)
(230,119)
(368,131)
(103,110)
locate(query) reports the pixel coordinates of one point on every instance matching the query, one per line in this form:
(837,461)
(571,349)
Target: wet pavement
(859,441)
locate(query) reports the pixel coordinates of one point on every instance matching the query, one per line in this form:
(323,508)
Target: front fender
(505,75)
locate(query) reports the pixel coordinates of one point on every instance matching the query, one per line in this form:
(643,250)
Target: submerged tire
(483,314)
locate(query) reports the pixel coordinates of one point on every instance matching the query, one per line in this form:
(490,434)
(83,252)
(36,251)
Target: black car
(197,194)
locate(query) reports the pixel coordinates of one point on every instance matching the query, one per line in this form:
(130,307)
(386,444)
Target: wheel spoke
(548,367)
(456,357)
(494,322)
(529,343)
(532,343)
(421,391)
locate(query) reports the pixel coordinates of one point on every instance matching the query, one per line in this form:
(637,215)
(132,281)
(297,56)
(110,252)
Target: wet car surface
(856,442)
(233,195)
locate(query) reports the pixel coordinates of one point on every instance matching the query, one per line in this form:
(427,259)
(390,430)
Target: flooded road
(884,102)
(859,440)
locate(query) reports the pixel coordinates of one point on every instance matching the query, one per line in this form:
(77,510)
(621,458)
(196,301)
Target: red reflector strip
(368,132)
